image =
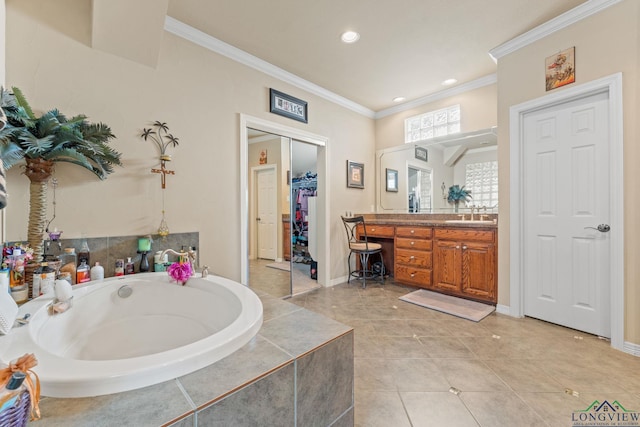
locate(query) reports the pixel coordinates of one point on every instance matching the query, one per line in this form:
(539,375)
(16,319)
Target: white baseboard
(337,281)
(631,348)
(503,309)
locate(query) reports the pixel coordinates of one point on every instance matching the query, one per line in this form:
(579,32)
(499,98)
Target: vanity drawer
(377,230)
(415,232)
(412,275)
(410,257)
(417,244)
(462,234)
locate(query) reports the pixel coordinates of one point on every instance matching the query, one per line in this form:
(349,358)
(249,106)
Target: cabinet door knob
(464,247)
(412,231)
(458,247)
(412,257)
(373,229)
(413,243)
(413,275)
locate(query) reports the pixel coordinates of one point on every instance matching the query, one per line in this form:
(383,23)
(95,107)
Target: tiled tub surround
(298,371)
(106,250)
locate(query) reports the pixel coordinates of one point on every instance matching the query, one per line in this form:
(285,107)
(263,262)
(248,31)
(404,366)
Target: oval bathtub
(107,344)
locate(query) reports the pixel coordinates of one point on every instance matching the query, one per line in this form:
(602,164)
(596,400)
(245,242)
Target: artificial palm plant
(42,142)
(458,194)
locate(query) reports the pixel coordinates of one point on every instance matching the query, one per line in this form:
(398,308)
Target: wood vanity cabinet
(413,256)
(464,263)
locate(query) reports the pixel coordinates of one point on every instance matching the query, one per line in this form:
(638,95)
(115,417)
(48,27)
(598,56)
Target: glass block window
(482,179)
(433,124)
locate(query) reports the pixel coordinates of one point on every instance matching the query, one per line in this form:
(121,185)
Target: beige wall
(599,53)
(477,111)
(200,95)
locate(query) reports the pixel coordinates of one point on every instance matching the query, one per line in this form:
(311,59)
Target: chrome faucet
(191,256)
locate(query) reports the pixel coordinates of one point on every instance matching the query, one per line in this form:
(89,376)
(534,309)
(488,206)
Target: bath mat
(466,309)
(284,265)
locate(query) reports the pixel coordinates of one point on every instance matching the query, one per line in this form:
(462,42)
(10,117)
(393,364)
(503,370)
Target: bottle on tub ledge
(83,273)
(119,268)
(129,266)
(97,272)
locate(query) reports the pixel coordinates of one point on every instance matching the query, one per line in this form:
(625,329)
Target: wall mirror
(427,169)
(282,226)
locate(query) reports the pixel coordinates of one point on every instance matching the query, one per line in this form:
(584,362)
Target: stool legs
(365,273)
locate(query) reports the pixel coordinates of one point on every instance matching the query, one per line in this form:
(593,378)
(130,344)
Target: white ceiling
(407,47)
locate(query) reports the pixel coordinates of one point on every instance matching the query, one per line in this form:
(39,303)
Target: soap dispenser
(129,266)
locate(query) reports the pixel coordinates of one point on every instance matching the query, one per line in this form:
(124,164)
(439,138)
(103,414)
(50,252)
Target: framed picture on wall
(422,154)
(560,69)
(355,174)
(392,180)
(287,106)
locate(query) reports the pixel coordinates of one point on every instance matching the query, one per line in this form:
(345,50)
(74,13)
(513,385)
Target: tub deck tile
(149,406)
(255,359)
(302,331)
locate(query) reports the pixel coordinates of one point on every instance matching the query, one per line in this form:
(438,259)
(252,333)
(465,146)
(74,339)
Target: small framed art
(287,106)
(392,180)
(355,174)
(560,69)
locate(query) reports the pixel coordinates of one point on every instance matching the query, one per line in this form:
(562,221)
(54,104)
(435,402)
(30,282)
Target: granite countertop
(431,220)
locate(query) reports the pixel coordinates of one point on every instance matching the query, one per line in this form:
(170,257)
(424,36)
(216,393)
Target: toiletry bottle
(68,263)
(129,267)
(97,272)
(82,273)
(43,278)
(16,275)
(84,254)
(9,395)
(119,268)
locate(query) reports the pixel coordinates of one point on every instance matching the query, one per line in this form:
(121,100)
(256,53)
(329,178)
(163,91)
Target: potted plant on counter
(458,194)
(41,142)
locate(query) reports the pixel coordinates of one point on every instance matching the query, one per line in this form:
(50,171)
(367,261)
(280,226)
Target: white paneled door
(266,210)
(566,214)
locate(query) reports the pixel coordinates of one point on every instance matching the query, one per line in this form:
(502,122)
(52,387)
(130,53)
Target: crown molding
(570,17)
(465,87)
(213,44)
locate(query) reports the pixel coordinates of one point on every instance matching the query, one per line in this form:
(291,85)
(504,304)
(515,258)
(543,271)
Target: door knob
(603,228)
(258,219)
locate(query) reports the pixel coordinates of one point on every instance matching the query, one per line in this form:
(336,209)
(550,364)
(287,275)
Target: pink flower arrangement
(180,272)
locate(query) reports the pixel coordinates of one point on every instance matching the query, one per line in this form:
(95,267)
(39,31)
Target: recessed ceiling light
(449,82)
(399,99)
(350,37)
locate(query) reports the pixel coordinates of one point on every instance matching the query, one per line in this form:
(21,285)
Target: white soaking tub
(107,344)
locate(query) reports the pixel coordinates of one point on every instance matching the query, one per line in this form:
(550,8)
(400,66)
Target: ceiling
(407,48)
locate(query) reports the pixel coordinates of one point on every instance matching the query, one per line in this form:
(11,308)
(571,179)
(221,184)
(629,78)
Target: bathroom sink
(468,221)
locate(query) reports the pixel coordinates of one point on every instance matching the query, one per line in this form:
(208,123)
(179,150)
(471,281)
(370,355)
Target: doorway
(548,265)
(265,192)
(419,186)
(285,226)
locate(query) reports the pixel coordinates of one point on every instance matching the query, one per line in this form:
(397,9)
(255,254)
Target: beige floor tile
(399,375)
(445,347)
(402,347)
(470,375)
(407,357)
(557,408)
(380,409)
(497,409)
(522,375)
(437,409)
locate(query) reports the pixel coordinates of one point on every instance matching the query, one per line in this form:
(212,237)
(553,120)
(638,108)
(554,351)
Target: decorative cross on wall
(164,172)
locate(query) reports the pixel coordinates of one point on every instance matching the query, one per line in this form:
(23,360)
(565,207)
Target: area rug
(284,265)
(466,309)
